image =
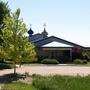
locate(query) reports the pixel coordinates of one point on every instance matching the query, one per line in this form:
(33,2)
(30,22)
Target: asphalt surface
(50,70)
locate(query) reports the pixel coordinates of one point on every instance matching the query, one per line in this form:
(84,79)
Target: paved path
(51,70)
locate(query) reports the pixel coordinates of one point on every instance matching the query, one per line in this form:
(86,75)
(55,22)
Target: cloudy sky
(66,19)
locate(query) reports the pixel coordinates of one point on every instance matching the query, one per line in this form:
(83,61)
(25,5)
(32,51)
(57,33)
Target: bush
(5,66)
(85,61)
(78,61)
(49,61)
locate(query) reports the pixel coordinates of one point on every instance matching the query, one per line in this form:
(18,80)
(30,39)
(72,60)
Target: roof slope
(47,40)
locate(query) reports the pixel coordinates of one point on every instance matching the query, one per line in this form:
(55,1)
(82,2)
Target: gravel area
(51,70)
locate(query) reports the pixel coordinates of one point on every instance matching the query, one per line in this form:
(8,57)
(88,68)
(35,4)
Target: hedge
(49,61)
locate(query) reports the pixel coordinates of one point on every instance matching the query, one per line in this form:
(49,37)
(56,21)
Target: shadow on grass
(8,78)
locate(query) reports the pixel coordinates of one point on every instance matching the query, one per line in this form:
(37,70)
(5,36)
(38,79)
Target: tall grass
(62,83)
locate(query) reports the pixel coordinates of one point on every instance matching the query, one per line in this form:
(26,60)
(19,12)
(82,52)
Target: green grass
(18,86)
(62,83)
(52,83)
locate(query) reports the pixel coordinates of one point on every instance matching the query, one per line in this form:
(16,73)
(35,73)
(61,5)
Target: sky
(66,19)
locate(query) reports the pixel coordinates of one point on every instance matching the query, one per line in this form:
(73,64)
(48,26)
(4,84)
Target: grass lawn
(52,83)
(18,86)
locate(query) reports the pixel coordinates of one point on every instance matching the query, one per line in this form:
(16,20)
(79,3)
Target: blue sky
(67,19)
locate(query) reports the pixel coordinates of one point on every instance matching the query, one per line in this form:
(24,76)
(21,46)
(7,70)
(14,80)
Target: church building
(54,47)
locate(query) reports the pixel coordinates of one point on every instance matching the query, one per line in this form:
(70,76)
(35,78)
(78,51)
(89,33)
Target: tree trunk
(14,64)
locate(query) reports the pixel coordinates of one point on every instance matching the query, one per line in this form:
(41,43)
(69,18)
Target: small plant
(49,61)
(78,61)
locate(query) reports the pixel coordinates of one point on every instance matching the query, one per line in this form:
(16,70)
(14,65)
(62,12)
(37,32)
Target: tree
(4,10)
(16,46)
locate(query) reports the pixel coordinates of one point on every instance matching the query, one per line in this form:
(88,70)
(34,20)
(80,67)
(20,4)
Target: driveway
(51,70)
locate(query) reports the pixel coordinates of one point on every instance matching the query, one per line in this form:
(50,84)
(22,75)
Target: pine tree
(16,46)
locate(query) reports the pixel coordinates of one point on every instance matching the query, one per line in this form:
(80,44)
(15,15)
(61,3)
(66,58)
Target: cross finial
(44,25)
(30,25)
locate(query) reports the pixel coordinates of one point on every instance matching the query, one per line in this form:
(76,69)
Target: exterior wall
(61,54)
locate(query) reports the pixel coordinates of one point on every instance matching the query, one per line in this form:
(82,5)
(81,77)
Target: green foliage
(78,61)
(5,66)
(49,61)
(4,10)
(86,54)
(16,46)
(61,82)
